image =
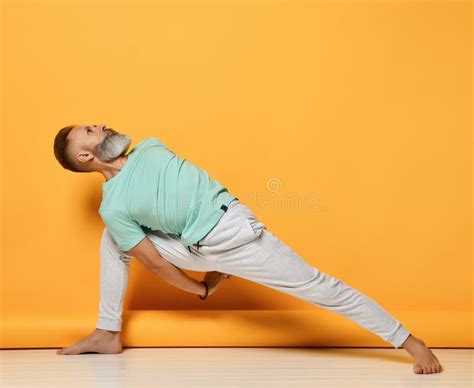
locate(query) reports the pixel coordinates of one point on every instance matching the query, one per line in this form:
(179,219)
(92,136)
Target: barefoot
(99,341)
(425,361)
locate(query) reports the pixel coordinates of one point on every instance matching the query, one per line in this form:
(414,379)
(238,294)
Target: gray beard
(112,147)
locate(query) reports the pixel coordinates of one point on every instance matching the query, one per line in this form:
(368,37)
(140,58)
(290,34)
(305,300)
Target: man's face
(88,141)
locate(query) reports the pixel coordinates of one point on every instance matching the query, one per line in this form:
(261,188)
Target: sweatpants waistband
(224,208)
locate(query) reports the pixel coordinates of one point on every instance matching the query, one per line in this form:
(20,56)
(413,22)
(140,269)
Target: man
(170,214)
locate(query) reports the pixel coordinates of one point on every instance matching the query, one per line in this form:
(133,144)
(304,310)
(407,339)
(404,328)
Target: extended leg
(241,245)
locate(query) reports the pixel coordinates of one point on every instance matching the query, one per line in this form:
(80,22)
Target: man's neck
(114,167)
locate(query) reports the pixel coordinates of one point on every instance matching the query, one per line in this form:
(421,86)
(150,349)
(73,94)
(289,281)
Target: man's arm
(146,252)
(127,232)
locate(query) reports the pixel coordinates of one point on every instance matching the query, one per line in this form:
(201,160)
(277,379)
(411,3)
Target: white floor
(232,367)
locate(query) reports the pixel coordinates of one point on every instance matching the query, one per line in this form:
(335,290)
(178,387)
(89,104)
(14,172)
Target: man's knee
(108,245)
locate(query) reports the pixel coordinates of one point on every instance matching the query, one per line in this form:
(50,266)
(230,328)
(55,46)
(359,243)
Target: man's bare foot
(99,341)
(425,361)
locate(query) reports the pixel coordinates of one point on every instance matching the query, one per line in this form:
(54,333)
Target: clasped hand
(213,280)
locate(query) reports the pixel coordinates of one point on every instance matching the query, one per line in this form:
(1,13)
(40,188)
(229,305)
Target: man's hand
(213,280)
(99,341)
(146,253)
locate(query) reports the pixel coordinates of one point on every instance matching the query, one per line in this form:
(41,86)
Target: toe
(418,369)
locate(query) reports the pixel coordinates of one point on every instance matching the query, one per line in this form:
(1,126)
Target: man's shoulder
(149,142)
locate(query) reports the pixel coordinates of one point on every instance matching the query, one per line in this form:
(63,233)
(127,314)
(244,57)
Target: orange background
(360,113)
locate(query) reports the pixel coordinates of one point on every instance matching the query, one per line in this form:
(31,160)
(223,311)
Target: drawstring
(197,247)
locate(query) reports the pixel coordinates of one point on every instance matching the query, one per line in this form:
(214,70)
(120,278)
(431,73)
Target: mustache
(111,131)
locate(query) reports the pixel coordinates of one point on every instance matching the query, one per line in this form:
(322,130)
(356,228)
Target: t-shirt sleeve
(125,232)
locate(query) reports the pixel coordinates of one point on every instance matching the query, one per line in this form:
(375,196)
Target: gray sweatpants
(240,245)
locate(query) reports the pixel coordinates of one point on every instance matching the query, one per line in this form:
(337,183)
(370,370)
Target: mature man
(170,214)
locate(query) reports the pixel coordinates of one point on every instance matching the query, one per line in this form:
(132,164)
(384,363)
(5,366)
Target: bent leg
(114,271)
(177,253)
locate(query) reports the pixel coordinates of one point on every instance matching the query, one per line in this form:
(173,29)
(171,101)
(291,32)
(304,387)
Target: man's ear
(84,156)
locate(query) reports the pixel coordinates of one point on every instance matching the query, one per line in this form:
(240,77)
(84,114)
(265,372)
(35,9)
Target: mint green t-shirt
(157,189)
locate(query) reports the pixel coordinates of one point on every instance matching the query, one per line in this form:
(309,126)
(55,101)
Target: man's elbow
(146,253)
